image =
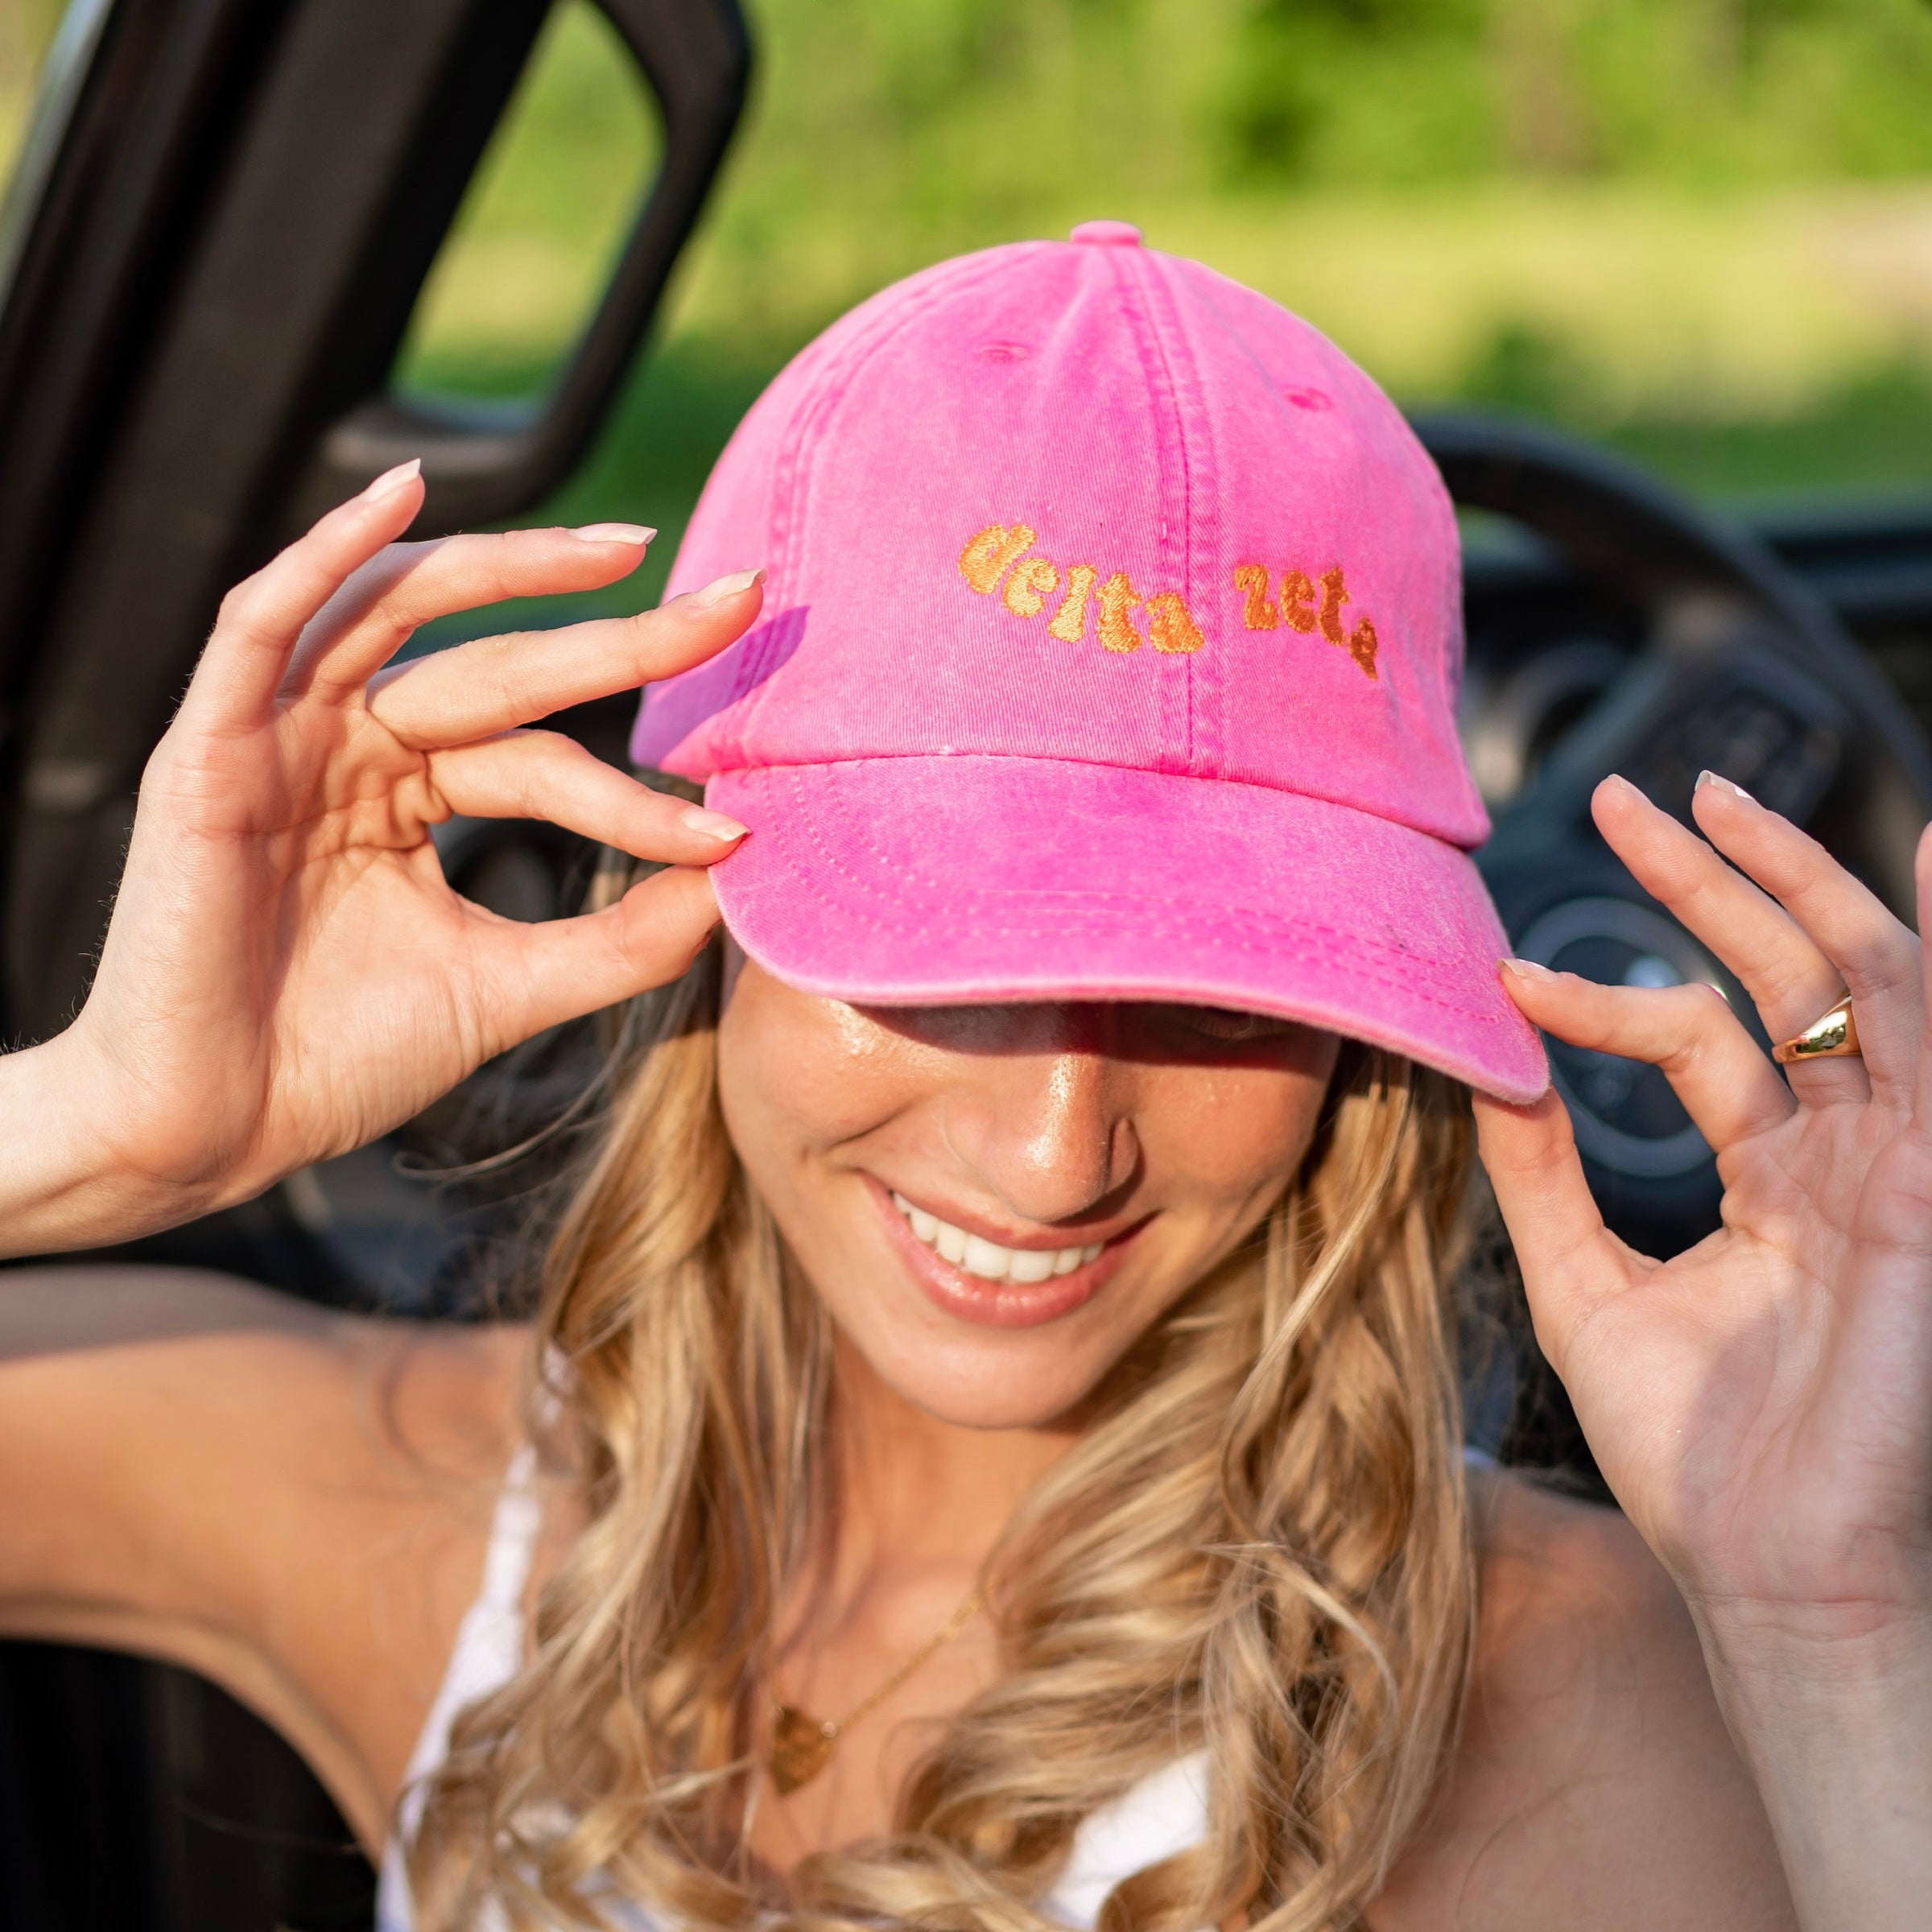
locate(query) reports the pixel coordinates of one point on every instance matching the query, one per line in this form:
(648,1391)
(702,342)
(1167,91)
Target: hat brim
(960,879)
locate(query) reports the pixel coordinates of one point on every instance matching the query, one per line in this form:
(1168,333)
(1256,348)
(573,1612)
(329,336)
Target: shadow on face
(995,1203)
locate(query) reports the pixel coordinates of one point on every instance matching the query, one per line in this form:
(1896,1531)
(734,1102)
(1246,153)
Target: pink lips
(998,1304)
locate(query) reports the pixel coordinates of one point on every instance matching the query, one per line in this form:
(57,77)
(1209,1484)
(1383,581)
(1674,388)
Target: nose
(1050,1134)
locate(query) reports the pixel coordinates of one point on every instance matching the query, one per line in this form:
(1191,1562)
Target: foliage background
(1699,229)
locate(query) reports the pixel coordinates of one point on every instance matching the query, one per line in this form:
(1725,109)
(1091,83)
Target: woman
(994,1380)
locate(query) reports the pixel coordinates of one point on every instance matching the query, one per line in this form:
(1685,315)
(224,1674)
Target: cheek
(772,1122)
(796,1077)
(1228,1143)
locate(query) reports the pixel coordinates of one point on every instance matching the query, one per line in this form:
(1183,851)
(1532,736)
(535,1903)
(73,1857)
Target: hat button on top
(1107,234)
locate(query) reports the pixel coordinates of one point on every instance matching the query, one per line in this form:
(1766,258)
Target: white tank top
(1164,1814)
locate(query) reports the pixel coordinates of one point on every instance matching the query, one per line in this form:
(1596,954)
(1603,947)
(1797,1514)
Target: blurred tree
(1376,91)
(1546,126)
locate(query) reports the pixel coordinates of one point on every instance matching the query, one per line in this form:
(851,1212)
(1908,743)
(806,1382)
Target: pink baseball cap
(1112,641)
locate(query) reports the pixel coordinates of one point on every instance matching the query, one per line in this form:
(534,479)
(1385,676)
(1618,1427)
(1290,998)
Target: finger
(234,685)
(476,691)
(1728,1088)
(1789,978)
(543,774)
(1876,959)
(542,975)
(1570,1261)
(394,595)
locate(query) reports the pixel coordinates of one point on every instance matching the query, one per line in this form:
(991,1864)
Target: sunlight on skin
(1047,1126)
(1164,1132)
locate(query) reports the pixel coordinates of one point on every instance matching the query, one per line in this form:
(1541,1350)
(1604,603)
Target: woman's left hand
(1761,1404)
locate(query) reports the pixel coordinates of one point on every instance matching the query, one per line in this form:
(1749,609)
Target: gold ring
(1831,1036)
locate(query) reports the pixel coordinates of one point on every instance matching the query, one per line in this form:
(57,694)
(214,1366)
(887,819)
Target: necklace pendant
(801,1746)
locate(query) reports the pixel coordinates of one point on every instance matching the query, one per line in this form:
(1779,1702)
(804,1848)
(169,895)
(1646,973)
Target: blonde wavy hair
(1260,1545)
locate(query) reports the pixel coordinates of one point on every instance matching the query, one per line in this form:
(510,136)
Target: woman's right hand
(287,973)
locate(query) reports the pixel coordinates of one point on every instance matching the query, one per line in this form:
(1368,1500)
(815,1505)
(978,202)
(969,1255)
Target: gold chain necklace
(801,1745)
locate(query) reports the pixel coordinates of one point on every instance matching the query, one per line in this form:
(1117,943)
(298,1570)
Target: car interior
(222,219)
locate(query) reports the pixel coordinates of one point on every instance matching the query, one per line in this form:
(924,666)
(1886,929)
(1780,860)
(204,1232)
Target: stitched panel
(1155,422)
(791,487)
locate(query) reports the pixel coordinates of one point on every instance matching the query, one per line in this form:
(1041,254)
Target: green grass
(1872,435)
(1869,430)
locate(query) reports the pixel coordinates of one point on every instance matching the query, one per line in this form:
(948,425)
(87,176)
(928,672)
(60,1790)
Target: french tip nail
(713,825)
(729,587)
(1723,783)
(1526,969)
(614,533)
(392,480)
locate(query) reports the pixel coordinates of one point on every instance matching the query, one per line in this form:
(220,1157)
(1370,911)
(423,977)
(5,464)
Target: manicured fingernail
(614,533)
(392,480)
(713,825)
(1527,969)
(727,587)
(1723,783)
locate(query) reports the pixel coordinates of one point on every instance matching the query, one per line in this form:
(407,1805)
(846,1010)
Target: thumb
(563,969)
(1561,1243)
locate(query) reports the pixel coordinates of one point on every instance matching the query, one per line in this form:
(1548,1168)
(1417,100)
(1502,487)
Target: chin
(975,1387)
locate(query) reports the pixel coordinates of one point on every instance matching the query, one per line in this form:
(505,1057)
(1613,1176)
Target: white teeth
(988,1259)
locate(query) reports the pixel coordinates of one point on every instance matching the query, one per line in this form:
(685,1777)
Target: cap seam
(1130,278)
(1169,323)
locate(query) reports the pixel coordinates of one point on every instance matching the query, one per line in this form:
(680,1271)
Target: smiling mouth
(987,1259)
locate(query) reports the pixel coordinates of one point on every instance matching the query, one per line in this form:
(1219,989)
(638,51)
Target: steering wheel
(1621,628)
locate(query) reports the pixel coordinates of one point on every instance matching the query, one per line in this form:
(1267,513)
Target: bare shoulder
(1594,1783)
(293,1502)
